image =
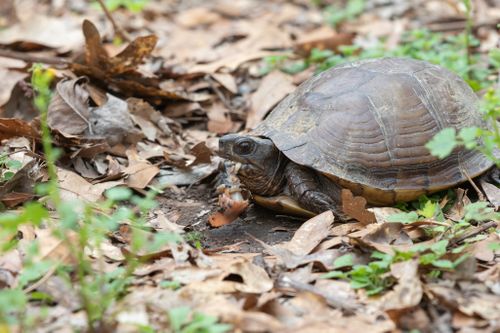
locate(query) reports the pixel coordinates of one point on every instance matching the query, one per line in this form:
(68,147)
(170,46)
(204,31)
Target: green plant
(335,14)
(134,6)
(194,238)
(8,167)
(78,226)
(373,277)
(183,320)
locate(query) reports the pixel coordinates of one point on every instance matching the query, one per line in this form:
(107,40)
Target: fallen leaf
(112,121)
(310,234)
(11,128)
(492,193)
(197,16)
(73,186)
(324,38)
(355,207)
(408,291)
(227,81)
(383,237)
(68,110)
(273,88)
(232,205)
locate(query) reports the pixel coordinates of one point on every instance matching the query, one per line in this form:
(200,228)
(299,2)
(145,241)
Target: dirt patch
(191,207)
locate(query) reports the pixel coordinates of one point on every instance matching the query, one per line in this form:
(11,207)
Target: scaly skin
(266,171)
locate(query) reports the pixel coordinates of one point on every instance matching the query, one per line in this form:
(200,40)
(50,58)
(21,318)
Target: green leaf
(334,275)
(8,175)
(446,264)
(443,143)
(494,246)
(343,261)
(479,211)
(439,248)
(119,193)
(13,164)
(178,317)
(35,212)
(429,209)
(469,136)
(494,56)
(403,217)
(357,284)
(170,284)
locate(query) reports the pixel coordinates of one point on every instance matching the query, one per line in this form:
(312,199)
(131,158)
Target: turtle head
(261,162)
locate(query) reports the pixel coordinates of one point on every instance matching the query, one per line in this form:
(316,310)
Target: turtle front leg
(306,188)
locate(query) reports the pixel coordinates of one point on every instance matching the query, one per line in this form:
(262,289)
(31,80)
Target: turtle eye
(244,147)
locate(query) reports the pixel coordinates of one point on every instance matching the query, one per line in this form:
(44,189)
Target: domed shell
(365,125)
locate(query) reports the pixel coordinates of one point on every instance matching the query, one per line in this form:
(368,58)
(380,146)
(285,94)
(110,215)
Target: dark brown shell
(364,124)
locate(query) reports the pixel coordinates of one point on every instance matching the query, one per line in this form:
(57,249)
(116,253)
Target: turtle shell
(365,125)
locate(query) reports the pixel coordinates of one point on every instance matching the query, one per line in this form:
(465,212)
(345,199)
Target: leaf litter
(148,113)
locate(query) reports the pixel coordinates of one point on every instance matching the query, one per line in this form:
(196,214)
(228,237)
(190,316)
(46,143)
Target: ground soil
(191,207)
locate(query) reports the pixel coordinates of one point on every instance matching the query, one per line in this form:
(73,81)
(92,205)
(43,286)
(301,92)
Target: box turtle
(362,126)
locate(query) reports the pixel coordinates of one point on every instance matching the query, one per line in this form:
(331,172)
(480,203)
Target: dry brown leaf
(273,88)
(139,172)
(218,119)
(355,207)
(52,248)
(11,128)
(492,193)
(481,249)
(202,153)
(231,62)
(68,110)
(75,187)
(255,278)
(11,264)
(322,38)
(13,199)
(232,205)
(383,237)
(471,299)
(407,293)
(197,16)
(10,78)
(227,81)
(62,32)
(310,234)
(112,121)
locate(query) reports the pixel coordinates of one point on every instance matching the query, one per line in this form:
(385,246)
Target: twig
(479,193)
(474,232)
(118,30)
(28,57)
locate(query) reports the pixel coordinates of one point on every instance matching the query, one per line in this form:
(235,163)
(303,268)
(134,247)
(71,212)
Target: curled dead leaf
(355,207)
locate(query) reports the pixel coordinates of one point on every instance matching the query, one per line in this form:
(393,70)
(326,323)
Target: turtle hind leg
(307,189)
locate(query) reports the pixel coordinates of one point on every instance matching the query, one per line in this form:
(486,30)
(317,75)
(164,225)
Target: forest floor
(112,214)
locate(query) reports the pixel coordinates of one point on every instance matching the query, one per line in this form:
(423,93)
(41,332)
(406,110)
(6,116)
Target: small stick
(479,193)
(28,57)
(118,30)
(474,232)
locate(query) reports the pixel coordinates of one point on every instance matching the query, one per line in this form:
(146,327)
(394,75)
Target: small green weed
(134,6)
(335,14)
(183,320)
(375,276)
(8,167)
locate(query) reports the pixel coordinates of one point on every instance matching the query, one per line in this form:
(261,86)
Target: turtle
(361,126)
